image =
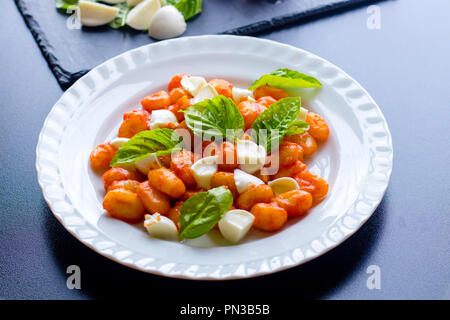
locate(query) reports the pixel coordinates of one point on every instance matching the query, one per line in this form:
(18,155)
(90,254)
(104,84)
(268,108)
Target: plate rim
(201,276)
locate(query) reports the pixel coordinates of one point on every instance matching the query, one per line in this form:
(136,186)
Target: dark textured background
(72,52)
(406,68)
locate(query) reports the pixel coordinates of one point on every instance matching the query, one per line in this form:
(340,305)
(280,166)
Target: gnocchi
(251,187)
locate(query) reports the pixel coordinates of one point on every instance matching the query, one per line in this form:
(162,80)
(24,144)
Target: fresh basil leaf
(121,18)
(200,213)
(188,8)
(297,127)
(222,196)
(274,123)
(68,6)
(286,78)
(157,141)
(215,118)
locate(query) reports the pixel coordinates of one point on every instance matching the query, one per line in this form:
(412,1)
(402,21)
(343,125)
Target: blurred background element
(71,51)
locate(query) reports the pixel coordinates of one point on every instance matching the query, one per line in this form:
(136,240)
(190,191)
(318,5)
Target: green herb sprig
(158,141)
(200,213)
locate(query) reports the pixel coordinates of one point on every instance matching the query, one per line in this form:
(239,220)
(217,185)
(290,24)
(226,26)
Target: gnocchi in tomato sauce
(232,179)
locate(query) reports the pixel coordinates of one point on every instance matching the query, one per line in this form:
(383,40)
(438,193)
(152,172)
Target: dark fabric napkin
(71,52)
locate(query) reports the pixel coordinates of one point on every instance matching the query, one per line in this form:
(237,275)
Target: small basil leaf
(215,118)
(67,6)
(200,213)
(297,127)
(157,141)
(188,8)
(121,17)
(272,125)
(286,78)
(222,196)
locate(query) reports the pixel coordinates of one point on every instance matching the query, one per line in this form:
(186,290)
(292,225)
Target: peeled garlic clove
(282,185)
(92,14)
(113,1)
(140,16)
(235,224)
(132,3)
(167,22)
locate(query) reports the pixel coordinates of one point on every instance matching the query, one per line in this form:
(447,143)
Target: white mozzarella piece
(207,92)
(203,170)
(302,114)
(238,94)
(140,16)
(161,227)
(235,224)
(193,84)
(92,14)
(119,142)
(245,181)
(282,185)
(148,163)
(251,156)
(167,23)
(161,118)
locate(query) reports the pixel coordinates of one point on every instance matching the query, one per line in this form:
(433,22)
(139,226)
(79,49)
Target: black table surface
(72,51)
(404,65)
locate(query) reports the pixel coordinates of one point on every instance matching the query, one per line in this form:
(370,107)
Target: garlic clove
(92,14)
(167,23)
(140,16)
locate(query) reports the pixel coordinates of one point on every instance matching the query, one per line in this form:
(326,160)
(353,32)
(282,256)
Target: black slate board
(70,52)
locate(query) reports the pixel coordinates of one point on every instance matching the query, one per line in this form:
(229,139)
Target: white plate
(356,160)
